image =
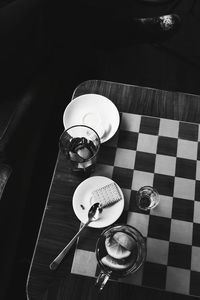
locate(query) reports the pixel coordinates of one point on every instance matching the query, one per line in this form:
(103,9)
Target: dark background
(55,45)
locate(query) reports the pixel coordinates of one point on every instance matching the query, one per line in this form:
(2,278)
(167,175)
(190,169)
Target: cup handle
(101,280)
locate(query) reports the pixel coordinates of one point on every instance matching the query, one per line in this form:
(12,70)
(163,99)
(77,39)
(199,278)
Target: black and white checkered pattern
(165,154)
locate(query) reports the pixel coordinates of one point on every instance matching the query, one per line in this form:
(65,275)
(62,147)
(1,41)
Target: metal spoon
(93,215)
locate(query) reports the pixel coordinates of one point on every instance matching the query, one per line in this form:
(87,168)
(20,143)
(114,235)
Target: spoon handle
(55,263)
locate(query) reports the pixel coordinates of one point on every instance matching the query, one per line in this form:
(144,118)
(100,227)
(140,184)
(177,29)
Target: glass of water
(147,198)
(80,144)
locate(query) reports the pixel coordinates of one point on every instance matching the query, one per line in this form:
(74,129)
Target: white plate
(81,202)
(95,111)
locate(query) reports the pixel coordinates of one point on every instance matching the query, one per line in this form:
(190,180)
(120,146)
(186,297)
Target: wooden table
(59,223)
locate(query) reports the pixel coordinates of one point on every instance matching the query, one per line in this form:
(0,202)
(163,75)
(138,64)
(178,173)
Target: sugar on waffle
(106,195)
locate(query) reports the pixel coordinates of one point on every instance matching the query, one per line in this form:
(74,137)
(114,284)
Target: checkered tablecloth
(165,154)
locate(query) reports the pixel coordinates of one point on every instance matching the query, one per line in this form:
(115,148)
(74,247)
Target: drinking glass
(147,198)
(80,144)
(120,251)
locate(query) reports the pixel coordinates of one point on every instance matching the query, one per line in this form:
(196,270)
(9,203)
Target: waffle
(106,195)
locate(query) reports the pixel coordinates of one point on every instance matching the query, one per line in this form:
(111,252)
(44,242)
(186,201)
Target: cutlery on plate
(93,215)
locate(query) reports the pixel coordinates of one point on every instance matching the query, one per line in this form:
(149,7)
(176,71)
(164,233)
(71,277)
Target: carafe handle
(101,280)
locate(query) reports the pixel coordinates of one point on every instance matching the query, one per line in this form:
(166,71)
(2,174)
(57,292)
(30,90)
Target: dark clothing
(5,2)
(186,42)
(20,38)
(87,27)
(114,23)
(173,64)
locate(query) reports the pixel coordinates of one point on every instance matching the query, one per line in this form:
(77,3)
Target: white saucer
(82,197)
(95,111)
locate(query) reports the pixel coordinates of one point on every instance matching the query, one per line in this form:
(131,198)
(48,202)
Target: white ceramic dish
(95,111)
(82,202)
